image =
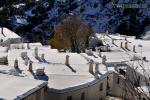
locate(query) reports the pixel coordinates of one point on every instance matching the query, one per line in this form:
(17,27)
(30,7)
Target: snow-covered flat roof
(56,71)
(8,33)
(32,46)
(13,87)
(61,77)
(51,57)
(110,56)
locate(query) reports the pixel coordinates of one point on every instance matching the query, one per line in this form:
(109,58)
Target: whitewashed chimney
(96,49)
(126,45)
(121,45)
(26,61)
(2,30)
(42,56)
(36,52)
(40,71)
(28,46)
(99,54)
(91,66)
(96,67)
(104,59)
(16,64)
(113,41)
(30,66)
(134,48)
(67,60)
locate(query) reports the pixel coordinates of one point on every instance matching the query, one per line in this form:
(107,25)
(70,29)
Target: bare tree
(72,34)
(135,85)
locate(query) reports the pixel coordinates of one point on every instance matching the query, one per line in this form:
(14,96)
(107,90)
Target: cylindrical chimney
(30,66)
(36,52)
(126,45)
(134,48)
(113,41)
(121,45)
(2,30)
(96,49)
(28,46)
(104,59)
(99,54)
(16,64)
(42,56)
(91,66)
(67,60)
(96,67)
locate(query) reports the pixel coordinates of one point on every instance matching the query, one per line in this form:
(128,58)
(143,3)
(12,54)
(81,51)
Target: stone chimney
(91,66)
(40,71)
(2,32)
(42,56)
(36,52)
(96,49)
(104,59)
(67,60)
(126,45)
(99,54)
(113,41)
(16,64)
(28,46)
(30,66)
(134,48)
(26,59)
(121,45)
(96,67)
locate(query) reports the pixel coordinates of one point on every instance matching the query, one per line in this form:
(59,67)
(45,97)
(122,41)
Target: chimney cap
(91,61)
(67,56)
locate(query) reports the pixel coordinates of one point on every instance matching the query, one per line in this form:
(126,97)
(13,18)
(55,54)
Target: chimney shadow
(73,70)
(42,60)
(125,49)
(43,77)
(99,73)
(128,49)
(115,45)
(95,56)
(91,73)
(92,55)
(18,70)
(38,77)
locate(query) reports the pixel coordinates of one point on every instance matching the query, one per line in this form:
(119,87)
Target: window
(144,99)
(137,82)
(101,87)
(118,80)
(100,99)
(69,98)
(83,96)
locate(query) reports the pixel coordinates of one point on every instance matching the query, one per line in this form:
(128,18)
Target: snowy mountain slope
(41,18)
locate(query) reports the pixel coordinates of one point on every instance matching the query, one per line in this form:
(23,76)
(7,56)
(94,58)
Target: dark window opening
(101,87)
(83,96)
(69,98)
(118,80)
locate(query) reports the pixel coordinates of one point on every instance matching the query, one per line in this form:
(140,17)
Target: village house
(92,75)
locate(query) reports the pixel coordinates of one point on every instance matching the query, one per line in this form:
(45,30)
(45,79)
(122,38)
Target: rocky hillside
(35,21)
